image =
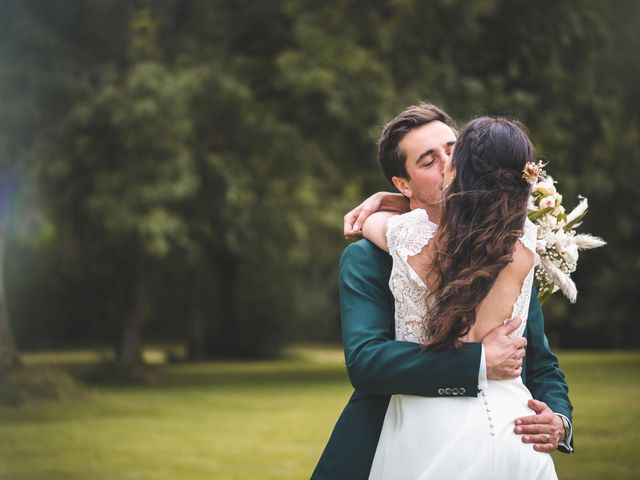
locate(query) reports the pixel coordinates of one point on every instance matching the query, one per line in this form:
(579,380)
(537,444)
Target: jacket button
(447,391)
(462,391)
(441,391)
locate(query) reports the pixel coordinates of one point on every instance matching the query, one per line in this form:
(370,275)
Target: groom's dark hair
(392,158)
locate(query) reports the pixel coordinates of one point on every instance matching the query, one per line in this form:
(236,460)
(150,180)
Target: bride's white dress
(451,437)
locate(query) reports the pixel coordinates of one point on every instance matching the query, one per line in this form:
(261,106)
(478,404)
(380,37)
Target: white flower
(570,254)
(545,187)
(551,221)
(547,202)
(561,241)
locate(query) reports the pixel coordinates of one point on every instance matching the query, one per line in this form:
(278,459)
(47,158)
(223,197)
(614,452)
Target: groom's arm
(375,362)
(543,376)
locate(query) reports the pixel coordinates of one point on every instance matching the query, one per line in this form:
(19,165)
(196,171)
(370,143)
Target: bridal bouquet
(558,243)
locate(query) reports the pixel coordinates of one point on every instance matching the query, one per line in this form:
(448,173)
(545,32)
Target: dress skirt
(459,438)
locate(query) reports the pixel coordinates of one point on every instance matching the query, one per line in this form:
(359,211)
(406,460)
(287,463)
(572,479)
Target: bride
(453,283)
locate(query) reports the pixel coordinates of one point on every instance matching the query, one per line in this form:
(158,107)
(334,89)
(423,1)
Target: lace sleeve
(407,234)
(530,238)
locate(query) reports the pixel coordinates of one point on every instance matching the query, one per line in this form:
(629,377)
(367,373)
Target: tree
(9,356)
(186,154)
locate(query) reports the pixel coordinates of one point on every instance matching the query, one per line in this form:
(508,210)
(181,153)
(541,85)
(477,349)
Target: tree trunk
(130,348)
(196,343)
(9,356)
(225,339)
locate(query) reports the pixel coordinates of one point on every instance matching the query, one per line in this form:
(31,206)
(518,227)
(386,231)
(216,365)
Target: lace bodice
(407,235)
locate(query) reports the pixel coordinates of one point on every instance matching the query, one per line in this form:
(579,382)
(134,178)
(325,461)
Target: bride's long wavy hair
(485,207)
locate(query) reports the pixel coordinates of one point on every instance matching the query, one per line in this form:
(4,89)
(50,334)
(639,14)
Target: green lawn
(268,420)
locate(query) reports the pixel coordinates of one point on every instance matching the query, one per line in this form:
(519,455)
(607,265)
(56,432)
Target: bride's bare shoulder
(522,260)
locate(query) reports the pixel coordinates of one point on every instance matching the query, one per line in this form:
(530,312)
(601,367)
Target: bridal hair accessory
(533,172)
(557,242)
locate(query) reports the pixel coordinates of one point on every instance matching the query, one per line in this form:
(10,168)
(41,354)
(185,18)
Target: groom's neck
(434,211)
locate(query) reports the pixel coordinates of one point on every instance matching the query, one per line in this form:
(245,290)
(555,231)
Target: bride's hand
(389,202)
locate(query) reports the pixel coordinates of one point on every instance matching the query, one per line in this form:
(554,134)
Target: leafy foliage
(190,162)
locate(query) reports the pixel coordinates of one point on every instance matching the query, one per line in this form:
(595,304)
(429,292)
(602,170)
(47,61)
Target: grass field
(267,420)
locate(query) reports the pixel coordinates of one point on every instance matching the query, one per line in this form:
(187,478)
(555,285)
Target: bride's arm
(380,201)
(375,227)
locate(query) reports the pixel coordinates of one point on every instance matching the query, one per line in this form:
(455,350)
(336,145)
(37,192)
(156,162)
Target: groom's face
(427,150)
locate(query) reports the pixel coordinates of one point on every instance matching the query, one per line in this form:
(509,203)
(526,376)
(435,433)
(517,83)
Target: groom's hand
(502,353)
(544,429)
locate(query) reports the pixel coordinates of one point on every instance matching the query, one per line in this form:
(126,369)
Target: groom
(413,150)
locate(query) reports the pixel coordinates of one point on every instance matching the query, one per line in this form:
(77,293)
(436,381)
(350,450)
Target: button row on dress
(486,406)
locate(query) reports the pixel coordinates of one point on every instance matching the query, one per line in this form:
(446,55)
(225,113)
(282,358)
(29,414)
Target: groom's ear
(402,184)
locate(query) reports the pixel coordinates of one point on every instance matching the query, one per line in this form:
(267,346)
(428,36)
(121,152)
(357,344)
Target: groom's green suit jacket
(379,367)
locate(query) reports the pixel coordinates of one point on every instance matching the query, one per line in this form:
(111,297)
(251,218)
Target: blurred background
(175,172)
(179,169)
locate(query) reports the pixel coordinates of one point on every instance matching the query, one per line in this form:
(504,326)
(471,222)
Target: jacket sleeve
(543,376)
(378,364)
